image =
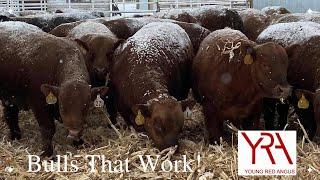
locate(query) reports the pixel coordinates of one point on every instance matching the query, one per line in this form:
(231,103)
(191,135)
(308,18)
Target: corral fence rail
(116,6)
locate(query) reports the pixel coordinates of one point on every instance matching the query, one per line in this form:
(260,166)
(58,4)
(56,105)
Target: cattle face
(163,121)
(269,70)
(74,99)
(100,49)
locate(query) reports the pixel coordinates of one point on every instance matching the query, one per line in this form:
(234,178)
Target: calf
(210,17)
(254,22)
(100,44)
(149,75)
(301,40)
(124,28)
(39,71)
(275,10)
(296,17)
(231,75)
(47,22)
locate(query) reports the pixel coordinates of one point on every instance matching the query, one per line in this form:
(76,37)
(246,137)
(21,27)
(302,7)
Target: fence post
(110,8)
(92,5)
(69,4)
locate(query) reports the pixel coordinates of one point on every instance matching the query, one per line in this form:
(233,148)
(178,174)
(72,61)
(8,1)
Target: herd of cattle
(239,64)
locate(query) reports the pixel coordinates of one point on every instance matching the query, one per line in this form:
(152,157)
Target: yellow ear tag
(248,59)
(303,103)
(139,119)
(51,99)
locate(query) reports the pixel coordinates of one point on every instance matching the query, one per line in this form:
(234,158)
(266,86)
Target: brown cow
(232,74)
(210,17)
(38,70)
(151,69)
(254,22)
(178,15)
(100,44)
(301,40)
(296,17)
(47,22)
(124,28)
(275,10)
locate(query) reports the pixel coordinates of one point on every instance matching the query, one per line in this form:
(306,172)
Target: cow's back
(156,57)
(300,39)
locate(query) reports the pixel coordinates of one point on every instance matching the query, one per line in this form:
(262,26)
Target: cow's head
(163,120)
(100,49)
(269,69)
(73,99)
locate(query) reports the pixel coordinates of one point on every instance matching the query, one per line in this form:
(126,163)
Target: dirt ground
(217,161)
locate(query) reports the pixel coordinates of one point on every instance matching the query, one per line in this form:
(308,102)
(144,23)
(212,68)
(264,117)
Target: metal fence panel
(292,5)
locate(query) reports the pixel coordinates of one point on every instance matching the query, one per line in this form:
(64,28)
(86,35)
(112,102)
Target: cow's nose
(74,134)
(99,70)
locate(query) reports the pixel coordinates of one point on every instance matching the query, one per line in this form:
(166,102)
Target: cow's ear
(51,93)
(249,58)
(117,43)
(84,41)
(291,50)
(144,109)
(82,44)
(46,89)
(308,94)
(102,91)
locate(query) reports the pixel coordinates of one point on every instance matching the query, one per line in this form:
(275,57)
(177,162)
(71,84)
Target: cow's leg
(111,105)
(307,119)
(213,123)
(282,110)
(316,112)
(47,127)
(252,122)
(11,117)
(269,107)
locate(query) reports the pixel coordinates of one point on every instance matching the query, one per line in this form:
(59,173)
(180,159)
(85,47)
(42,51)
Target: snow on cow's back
(253,13)
(16,27)
(170,13)
(16,36)
(227,33)
(288,34)
(89,28)
(214,9)
(157,37)
(25,41)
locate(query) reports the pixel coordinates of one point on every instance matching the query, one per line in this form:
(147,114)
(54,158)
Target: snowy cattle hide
(47,75)
(178,15)
(254,22)
(97,14)
(210,17)
(275,10)
(296,17)
(124,28)
(301,40)
(6,14)
(150,75)
(231,76)
(99,43)
(47,22)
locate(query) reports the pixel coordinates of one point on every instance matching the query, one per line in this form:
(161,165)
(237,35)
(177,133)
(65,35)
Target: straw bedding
(217,162)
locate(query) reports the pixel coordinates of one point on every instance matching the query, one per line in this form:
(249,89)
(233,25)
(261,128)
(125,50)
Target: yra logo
(267,152)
